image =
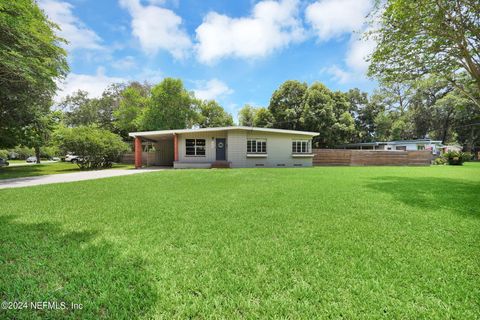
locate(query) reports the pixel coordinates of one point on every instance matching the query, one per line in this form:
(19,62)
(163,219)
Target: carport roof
(164,133)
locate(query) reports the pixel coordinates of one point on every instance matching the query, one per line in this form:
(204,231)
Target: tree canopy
(211,114)
(427,38)
(31,61)
(171,106)
(287,104)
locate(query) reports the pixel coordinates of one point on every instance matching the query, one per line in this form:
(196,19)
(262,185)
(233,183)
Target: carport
(165,148)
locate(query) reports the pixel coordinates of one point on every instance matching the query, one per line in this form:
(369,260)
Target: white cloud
(356,61)
(271,26)
(212,89)
(333,18)
(338,74)
(93,84)
(157,29)
(126,63)
(174,3)
(359,50)
(72,28)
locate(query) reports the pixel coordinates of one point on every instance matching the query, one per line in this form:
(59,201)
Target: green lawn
(44,169)
(325,242)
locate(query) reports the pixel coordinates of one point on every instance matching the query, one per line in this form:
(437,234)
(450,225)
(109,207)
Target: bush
(457,158)
(4,154)
(49,152)
(22,153)
(440,161)
(97,148)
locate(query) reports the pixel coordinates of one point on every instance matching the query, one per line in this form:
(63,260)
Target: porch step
(221,164)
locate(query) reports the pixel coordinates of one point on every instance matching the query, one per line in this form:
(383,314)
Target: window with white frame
(195,147)
(256,146)
(301,146)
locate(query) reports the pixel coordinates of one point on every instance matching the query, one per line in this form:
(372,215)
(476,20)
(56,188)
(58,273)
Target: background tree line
(430,107)
(427,63)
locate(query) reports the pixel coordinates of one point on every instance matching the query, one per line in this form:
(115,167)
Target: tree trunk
(470,140)
(37,153)
(445,129)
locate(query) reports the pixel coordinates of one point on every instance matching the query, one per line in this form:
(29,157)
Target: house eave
(200,130)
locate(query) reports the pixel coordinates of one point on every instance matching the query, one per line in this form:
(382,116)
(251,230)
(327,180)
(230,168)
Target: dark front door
(221,147)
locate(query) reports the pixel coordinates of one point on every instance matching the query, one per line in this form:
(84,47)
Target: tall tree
(79,109)
(427,93)
(328,112)
(428,37)
(211,114)
(38,133)
(171,107)
(383,126)
(364,109)
(134,100)
(443,117)
(246,116)
(31,60)
(108,103)
(466,118)
(287,105)
(263,118)
(344,127)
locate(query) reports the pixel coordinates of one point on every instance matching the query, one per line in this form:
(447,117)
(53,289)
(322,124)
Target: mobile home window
(301,146)
(195,147)
(256,146)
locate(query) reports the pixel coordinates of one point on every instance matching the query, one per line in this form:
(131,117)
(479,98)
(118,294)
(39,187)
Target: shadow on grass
(40,262)
(432,193)
(33,170)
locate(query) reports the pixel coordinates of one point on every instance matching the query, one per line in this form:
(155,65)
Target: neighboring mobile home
(400,145)
(235,147)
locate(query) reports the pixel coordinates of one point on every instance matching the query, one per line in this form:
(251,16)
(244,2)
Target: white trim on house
(180,131)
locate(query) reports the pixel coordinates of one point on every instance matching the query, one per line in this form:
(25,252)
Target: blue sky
(236,52)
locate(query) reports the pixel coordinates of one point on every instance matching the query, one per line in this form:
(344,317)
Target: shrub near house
(457,158)
(97,148)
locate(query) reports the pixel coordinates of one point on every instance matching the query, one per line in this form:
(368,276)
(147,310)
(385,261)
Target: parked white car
(31,159)
(72,158)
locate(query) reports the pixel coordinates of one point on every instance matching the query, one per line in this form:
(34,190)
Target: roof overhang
(381,143)
(166,134)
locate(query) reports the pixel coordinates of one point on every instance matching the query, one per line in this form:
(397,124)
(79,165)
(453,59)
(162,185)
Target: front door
(221,147)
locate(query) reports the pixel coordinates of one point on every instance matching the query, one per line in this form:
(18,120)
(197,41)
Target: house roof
(177,131)
(415,141)
(379,143)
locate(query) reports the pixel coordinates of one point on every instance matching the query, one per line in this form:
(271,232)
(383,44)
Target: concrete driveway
(70,177)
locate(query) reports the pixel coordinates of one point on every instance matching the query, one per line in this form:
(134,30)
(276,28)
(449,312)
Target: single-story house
(400,145)
(235,147)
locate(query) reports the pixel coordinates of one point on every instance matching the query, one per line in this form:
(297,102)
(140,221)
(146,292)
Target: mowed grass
(324,242)
(30,170)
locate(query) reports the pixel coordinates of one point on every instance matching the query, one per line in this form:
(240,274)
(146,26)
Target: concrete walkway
(69,177)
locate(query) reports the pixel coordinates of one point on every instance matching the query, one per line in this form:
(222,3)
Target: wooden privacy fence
(129,158)
(341,157)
